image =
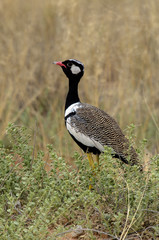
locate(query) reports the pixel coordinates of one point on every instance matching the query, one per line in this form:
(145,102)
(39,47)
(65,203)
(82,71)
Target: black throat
(72,96)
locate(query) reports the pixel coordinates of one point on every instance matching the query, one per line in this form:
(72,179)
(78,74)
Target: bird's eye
(69,64)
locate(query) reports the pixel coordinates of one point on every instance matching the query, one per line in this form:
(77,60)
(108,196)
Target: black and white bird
(90,127)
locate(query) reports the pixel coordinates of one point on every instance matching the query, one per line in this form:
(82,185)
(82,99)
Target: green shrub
(36,204)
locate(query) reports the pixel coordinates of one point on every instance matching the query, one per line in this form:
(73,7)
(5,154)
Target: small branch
(133,218)
(8,175)
(35,130)
(128,212)
(150,227)
(150,210)
(88,229)
(151,114)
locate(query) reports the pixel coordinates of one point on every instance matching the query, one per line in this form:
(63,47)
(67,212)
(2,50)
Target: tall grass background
(118,42)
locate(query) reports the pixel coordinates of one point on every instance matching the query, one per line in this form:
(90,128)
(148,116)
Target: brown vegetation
(118,42)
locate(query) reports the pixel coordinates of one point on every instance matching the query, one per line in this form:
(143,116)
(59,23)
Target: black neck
(72,96)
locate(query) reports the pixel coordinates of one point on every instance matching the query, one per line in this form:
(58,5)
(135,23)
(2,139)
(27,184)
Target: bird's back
(101,128)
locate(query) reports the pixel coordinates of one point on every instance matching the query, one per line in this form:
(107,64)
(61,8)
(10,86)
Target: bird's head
(72,68)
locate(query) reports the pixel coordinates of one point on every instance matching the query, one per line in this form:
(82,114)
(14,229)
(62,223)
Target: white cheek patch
(75,69)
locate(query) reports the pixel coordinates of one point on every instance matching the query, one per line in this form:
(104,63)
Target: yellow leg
(91,163)
(90,159)
(90,186)
(97,159)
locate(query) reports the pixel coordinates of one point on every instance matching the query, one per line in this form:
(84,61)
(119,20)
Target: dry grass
(118,41)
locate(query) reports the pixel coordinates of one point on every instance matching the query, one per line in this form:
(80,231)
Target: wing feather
(100,128)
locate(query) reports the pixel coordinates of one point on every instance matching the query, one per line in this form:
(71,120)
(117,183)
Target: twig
(8,175)
(150,210)
(133,218)
(87,229)
(34,145)
(150,112)
(150,227)
(28,103)
(127,215)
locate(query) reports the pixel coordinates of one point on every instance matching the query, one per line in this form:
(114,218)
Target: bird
(90,127)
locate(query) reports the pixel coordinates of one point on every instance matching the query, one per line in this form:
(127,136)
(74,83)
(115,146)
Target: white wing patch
(75,69)
(80,136)
(86,140)
(83,138)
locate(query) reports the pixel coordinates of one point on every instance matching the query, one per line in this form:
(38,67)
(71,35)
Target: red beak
(60,64)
